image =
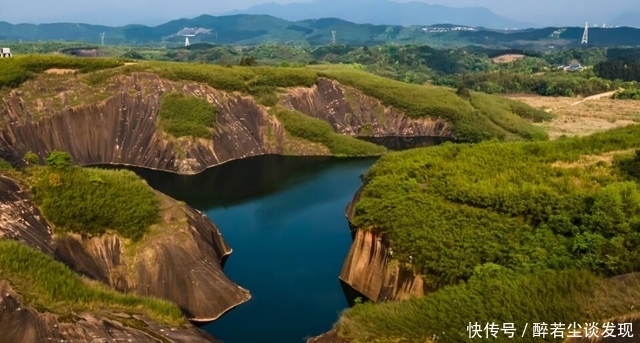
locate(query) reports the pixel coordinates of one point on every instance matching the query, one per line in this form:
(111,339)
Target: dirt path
(595,97)
(586,116)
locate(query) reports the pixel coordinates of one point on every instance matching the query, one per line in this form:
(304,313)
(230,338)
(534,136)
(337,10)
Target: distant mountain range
(385,12)
(630,19)
(263,29)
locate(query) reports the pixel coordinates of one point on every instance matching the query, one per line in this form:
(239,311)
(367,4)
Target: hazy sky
(119,12)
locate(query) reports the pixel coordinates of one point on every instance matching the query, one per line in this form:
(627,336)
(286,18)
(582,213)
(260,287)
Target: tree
(247,61)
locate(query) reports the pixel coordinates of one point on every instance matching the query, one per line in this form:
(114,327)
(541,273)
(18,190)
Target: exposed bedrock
(180,259)
(350,112)
(21,220)
(122,129)
(367,268)
(20,323)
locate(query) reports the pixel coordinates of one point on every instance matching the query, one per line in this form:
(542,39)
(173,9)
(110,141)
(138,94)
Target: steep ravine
(123,130)
(155,266)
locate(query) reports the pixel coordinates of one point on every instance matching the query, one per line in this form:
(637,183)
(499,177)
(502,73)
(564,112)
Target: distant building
(573,66)
(5,52)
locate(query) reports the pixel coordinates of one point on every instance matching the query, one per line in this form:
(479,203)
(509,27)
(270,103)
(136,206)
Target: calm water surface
(284,219)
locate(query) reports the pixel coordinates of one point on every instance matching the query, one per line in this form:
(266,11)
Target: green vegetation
(473,118)
(633,94)
(241,79)
(529,221)
(5,166)
(481,117)
(494,294)
(16,70)
(31,157)
(547,84)
(185,115)
(319,131)
(92,201)
(51,286)
(507,204)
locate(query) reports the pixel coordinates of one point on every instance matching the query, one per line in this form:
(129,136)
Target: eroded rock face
(21,220)
(34,326)
(352,113)
(367,270)
(122,129)
(179,260)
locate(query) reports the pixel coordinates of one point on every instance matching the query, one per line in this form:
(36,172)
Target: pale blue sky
(120,12)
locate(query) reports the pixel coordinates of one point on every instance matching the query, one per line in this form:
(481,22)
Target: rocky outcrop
(367,269)
(180,259)
(123,129)
(20,323)
(21,220)
(353,113)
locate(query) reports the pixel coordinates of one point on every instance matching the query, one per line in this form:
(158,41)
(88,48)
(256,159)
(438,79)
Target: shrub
(31,157)
(453,207)
(5,166)
(14,71)
(483,117)
(566,297)
(92,201)
(318,131)
(58,160)
(631,93)
(186,115)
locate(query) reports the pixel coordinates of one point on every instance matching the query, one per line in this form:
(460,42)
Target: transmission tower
(102,38)
(333,36)
(585,35)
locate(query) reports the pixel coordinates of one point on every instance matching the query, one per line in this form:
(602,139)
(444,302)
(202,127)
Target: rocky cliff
(35,326)
(122,129)
(353,113)
(369,270)
(180,259)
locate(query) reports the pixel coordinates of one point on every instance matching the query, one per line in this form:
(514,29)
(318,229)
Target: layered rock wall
(353,113)
(35,326)
(180,260)
(367,268)
(123,129)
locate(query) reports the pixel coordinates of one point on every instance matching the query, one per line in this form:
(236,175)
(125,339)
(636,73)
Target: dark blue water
(284,219)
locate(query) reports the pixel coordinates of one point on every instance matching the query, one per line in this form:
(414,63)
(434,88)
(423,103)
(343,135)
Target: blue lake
(284,218)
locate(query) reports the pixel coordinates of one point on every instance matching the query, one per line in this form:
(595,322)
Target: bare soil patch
(507,58)
(579,118)
(58,71)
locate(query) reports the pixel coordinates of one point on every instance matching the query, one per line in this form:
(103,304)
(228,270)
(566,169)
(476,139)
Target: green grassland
(473,118)
(319,131)
(185,115)
(94,201)
(496,295)
(531,210)
(48,285)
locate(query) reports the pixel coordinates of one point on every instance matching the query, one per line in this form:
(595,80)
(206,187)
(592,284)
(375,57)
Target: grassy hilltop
(548,227)
(505,232)
(473,116)
(82,201)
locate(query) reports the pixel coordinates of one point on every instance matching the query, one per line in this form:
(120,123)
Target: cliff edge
(180,259)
